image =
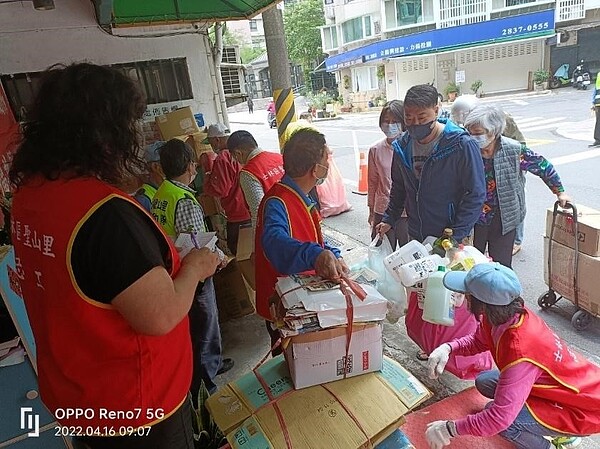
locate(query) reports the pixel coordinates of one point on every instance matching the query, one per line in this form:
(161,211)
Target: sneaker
(516,249)
(566,442)
(595,144)
(226,365)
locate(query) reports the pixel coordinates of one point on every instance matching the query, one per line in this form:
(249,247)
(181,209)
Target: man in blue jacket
(438,177)
(437,172)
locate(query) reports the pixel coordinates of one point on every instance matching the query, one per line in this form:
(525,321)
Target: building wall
(33,40)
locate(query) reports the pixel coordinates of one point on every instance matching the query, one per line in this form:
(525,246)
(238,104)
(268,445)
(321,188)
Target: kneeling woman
(545,395)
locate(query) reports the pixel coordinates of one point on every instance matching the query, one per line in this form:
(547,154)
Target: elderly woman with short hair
(504,162)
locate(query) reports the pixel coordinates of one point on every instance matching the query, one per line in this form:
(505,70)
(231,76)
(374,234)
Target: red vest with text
(88,356)
(569,405)
(265,167)
(305,226)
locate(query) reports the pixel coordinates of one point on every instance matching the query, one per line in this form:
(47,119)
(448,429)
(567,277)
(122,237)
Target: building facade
(383,47)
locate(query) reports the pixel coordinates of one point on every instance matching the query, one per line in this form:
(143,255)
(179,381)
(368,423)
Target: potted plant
(451,91)
(206,433)
(540,79)
(476,86)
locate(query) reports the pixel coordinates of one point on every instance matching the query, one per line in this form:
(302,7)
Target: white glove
(437,434)
(437,360)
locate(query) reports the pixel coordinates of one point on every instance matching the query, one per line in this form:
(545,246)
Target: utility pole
(279,67)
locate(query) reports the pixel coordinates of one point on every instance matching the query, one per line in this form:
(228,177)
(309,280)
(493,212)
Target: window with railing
(462,12)
(570,10)
(404,13)
(230,55)
(330,40)
(501,4)
(357,29)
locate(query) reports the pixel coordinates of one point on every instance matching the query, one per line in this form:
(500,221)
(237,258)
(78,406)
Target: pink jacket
(380,176)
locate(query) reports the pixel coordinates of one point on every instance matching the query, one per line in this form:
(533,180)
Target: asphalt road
(557,125)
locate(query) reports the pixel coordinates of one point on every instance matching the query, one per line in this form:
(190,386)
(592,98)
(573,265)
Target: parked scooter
(272,120)
(581,77)
(561,77)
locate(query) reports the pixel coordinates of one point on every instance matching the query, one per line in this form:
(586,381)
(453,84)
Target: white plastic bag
(391,289)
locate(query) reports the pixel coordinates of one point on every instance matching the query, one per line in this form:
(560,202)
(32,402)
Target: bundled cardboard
(318,357)
(196,141)
(562,275)
(315,417)
(233,299)
(588,234)
(210,204)
(177,123)
(245,248)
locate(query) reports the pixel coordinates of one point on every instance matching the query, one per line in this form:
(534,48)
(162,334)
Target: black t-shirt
(115,247)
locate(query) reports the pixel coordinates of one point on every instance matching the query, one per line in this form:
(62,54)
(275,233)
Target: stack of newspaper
(310,304)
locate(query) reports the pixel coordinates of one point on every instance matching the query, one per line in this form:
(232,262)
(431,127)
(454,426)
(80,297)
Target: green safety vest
(164,205)
(148,191)
(597,96)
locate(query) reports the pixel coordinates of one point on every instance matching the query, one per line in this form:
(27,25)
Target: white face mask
(391,129)
(482,140)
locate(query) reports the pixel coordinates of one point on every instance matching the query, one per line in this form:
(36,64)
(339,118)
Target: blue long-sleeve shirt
(286,254)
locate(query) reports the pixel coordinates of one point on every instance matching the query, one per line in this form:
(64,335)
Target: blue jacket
(451,190)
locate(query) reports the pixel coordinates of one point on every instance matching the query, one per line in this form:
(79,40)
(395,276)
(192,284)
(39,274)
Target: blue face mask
(482,140)
(391,129)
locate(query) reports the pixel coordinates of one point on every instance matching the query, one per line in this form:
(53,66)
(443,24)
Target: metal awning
(155,12)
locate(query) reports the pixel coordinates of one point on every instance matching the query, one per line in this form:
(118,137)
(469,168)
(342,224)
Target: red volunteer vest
(305,226)
(88,356)
(265,167)
(570,405)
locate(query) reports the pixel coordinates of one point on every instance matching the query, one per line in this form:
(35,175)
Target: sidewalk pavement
(583,130)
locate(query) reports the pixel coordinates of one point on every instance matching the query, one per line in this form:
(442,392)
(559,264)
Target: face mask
(482,140)
(320,181)
(420,132)
(391,129)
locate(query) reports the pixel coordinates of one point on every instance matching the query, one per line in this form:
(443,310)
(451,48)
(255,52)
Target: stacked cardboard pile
(563,256)
(347,414)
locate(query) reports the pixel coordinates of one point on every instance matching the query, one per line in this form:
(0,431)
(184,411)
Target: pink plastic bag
(429,336)
(332,193)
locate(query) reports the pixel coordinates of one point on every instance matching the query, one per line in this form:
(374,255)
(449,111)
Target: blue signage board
(508,28)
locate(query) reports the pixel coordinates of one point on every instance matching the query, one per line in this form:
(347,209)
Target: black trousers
(597,127)
(499,246)
(175,432)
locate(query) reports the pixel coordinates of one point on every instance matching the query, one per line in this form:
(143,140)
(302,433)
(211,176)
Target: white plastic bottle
(410,252)
(438,307)
(417,270)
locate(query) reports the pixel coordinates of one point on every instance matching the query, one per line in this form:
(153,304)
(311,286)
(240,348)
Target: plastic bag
(332,193)
(391,289)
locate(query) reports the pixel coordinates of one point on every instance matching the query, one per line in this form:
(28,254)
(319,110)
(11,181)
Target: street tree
(301,23)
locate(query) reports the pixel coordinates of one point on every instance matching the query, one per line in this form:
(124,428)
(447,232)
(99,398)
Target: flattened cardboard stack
(563,256)
(346,414)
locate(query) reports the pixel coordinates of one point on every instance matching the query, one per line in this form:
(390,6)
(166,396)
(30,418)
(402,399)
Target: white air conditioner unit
(377,26)
(566,38)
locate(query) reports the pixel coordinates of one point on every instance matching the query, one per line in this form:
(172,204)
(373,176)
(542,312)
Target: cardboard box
(588,281)
(177,123)
(210,204)
(315,417)
(318,357)
(245,248)
(233,299)
(588,234)
(196,141)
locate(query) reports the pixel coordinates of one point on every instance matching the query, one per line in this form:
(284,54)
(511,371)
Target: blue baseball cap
(152,151)
(490,283)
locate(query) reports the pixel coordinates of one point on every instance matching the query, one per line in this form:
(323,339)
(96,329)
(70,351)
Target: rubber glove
(437,435)
(437,360)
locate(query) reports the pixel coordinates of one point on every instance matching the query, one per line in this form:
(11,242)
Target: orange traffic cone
(363,173)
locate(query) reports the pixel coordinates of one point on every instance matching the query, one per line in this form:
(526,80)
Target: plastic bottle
(438,247)
(411,273)
(410,252)
(460,260)
(475,254)
(438,307)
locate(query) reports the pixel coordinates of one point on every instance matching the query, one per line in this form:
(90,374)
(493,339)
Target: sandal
(422,355)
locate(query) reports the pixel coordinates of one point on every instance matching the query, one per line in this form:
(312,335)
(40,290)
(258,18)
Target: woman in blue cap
(544,395)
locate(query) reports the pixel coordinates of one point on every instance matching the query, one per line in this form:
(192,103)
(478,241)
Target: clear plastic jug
(417,270)
(438,307)
(410,252)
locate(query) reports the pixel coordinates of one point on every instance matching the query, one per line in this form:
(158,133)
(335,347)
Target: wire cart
(582,318)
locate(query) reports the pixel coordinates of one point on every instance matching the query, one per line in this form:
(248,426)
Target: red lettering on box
(365,360)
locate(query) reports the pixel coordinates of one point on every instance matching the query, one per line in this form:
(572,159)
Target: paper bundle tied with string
(262,410)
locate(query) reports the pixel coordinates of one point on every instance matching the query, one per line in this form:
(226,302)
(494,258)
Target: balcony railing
(570,10)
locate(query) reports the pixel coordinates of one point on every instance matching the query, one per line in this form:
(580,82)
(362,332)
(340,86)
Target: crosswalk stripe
(538,128)
(582,155)
(539,122)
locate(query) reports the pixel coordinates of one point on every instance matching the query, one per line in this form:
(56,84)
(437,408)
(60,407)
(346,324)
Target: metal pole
(279,68)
